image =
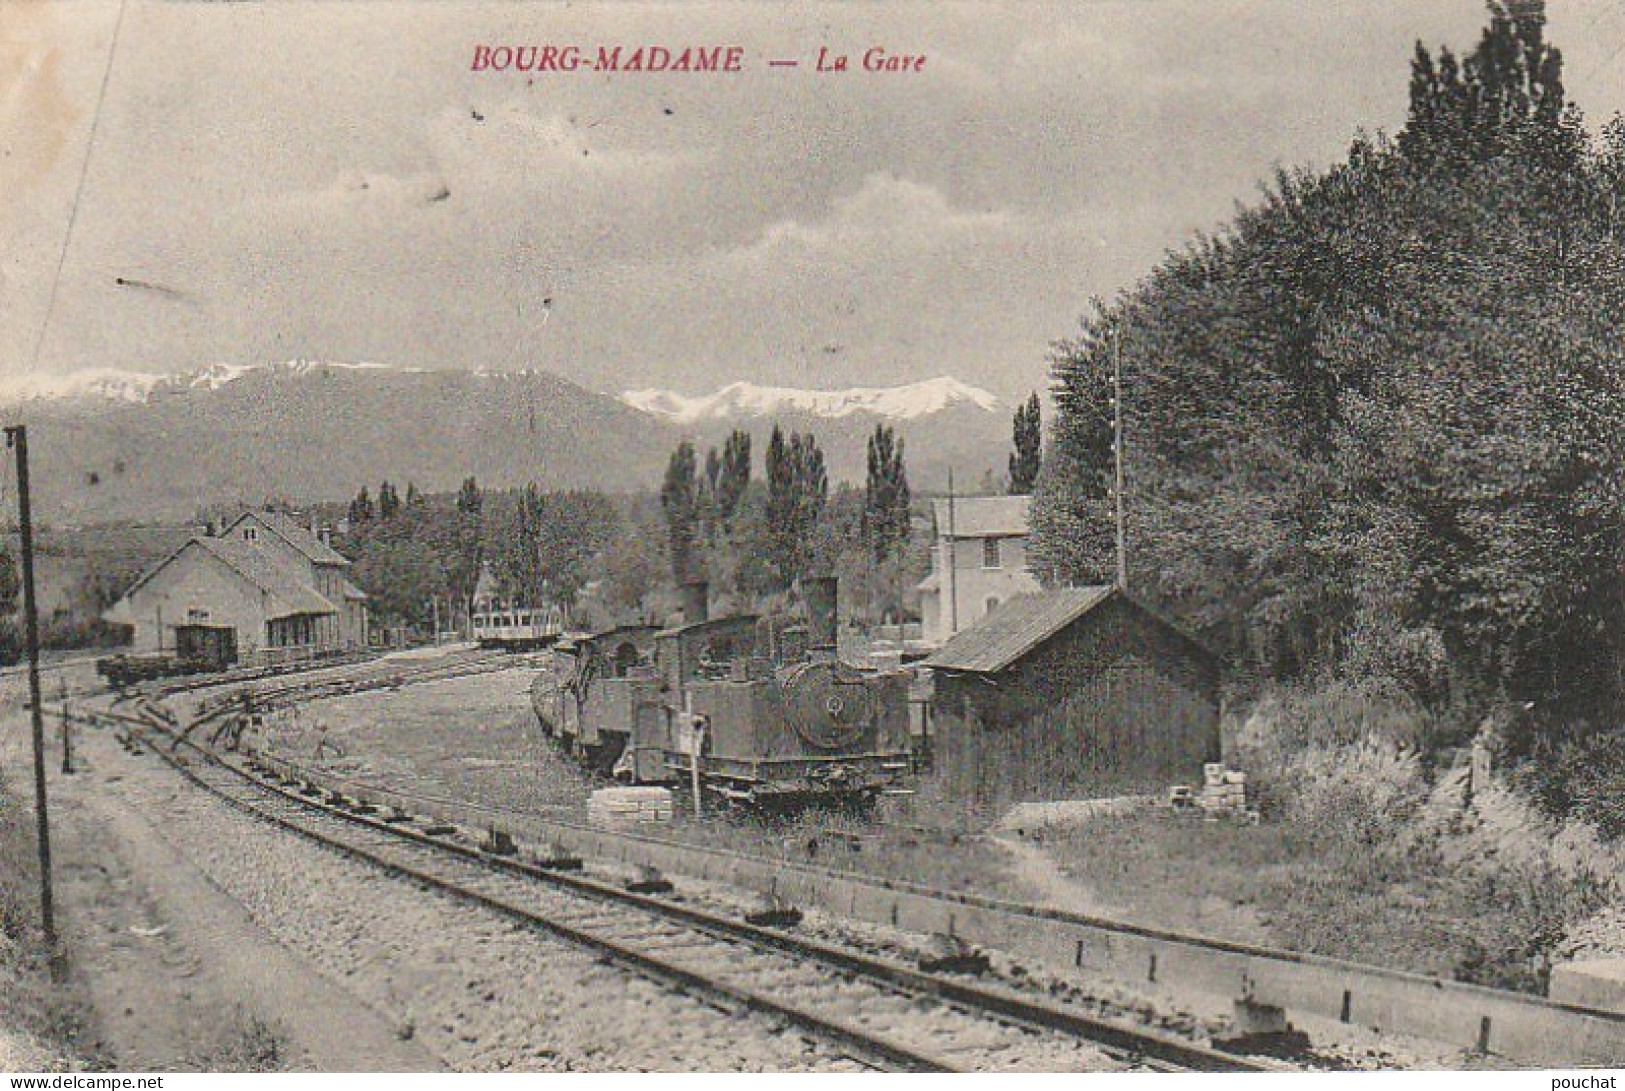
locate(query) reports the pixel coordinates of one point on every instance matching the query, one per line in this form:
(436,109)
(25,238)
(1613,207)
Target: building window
(250,534)
(992,604)
(990,553)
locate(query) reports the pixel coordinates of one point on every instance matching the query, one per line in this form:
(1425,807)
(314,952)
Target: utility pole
(67,726)
(1117,458)
(17,440)
(948,566)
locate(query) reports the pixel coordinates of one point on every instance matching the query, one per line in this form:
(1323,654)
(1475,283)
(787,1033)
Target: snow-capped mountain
(143,445)
(743,400)
(110,384)
(140,387)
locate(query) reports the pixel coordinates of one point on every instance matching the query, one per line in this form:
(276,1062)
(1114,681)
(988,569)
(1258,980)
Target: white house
(979,560)
(265,587)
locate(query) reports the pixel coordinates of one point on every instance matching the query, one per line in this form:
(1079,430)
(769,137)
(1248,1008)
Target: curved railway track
(322,680)
(882,1013)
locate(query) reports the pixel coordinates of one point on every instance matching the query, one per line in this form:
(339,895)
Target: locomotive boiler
(761,705)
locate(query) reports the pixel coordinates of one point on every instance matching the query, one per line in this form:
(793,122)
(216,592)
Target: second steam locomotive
(757,709)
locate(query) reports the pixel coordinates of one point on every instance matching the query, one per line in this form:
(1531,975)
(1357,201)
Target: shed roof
(1015,628)
(982,516)
(291,531)
(1026,621)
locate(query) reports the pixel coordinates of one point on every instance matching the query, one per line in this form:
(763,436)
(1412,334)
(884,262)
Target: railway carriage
(516,628)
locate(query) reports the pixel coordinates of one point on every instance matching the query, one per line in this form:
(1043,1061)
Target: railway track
(372,676)
(884,1014)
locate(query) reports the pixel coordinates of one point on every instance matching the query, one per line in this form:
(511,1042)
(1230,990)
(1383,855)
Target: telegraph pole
(1117,458)
(948,568)
(17,440)
(67,726)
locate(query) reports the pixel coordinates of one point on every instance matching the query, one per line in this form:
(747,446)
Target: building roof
(286,592)
(737,620)
(982,516)
(289,530)
(1026,621)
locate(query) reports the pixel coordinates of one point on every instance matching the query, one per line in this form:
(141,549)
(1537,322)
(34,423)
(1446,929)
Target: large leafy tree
(468,545)
(361,510)
(548,549)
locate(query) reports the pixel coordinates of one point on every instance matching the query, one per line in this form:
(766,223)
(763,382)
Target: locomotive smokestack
(695,601)
(820,594)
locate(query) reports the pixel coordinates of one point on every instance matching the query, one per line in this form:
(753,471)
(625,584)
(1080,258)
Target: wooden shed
(1074,693)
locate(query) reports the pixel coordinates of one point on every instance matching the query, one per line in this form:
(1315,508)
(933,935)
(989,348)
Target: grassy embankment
(1365,852)
(41,1025)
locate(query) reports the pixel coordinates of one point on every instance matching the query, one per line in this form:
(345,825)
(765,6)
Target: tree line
(751,532)
(1375,423)
(753,538)
(424,554)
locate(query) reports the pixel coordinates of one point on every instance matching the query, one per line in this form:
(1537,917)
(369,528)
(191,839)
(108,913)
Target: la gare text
(658,58)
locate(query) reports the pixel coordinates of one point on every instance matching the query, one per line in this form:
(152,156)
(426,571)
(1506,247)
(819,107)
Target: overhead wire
(79,191)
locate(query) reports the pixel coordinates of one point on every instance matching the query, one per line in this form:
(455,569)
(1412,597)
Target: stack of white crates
(1224,792)
(627,808)
(1223,795)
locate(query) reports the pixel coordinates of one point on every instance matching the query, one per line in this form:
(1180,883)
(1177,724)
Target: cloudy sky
(332,181)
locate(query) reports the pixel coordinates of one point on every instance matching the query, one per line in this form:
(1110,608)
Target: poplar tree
(797,490)
(389,502)
(885,525)
(734,476)
(1028,439)
(679,499)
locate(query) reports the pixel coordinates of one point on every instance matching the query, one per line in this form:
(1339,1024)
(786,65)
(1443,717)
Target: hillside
(132,446)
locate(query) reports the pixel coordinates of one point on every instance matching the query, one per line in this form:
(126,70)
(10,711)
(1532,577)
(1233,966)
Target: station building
(978,561)
(264,589)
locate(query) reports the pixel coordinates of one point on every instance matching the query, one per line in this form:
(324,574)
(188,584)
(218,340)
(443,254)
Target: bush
(70,629)
(1581,778)
(1367,791)
(1331,712)
(1340,758)
(1530,910)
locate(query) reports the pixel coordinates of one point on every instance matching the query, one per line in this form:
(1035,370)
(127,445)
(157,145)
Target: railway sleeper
(773,912)
(952,955)
(499,842)
(649,881)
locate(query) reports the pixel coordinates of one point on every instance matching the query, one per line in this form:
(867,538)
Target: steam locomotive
(759,709)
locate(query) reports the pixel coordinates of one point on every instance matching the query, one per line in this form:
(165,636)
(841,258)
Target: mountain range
(109,444)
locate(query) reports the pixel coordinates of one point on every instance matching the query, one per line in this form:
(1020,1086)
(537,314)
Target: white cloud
(883,210)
